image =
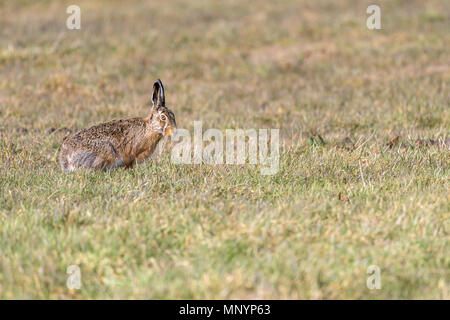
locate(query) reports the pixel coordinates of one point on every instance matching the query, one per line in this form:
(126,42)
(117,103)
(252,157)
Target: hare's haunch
(119,143)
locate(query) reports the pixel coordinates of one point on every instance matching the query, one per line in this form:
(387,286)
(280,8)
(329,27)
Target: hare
(119,143)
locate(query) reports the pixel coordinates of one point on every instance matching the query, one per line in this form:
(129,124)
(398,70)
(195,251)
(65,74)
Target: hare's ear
(158,98)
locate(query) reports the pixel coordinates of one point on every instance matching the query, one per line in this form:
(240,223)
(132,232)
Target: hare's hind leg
(84,159)
(73,160)
(76,158)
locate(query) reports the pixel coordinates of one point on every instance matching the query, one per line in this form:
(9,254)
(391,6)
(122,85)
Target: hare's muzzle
(169,131)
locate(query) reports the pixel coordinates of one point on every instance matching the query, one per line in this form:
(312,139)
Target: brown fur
(118,143)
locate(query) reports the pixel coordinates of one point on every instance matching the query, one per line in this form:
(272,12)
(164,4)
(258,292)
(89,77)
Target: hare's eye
(163,117)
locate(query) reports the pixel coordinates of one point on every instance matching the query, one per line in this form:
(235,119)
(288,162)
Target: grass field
(376,192)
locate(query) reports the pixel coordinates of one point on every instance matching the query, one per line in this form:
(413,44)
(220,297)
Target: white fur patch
(115,164)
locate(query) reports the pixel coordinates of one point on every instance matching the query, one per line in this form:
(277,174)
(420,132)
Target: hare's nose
(169,131)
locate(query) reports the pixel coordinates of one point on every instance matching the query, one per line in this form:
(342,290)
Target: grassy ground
(377,191)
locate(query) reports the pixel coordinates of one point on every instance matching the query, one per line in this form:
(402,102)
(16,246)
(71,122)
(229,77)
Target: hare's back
(112,132)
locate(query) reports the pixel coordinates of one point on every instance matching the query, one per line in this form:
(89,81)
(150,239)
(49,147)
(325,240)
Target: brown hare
(119,143)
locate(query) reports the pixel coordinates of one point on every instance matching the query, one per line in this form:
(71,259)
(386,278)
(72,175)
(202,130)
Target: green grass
(163,230)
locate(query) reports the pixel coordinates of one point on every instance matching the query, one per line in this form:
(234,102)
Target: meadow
(364,160)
